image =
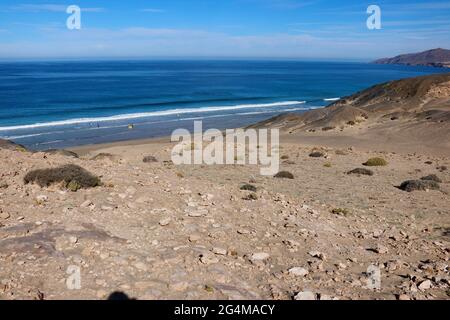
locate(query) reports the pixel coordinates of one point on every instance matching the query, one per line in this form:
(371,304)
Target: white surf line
(331,99)
(149,114)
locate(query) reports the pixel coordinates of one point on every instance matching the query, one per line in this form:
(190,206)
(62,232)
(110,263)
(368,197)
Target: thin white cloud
(153,10)
(49,8)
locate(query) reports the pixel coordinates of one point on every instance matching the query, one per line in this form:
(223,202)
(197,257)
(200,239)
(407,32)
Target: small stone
(198,213)
(195,237)
(86,204)
(425,285)
(259,257)
(298,272)
(41,199)
(4,215)
(164,222)
(107,208)
(341,266)
(73,239)
(220,251)
(403,297)
(140,266)
(208,258)
(380,249)
(101,294)
(317,254)
(179,286)
(305,296)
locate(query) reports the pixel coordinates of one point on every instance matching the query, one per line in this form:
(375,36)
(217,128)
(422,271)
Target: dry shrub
(432,177)
(361,171)
(150,159)
(284,175)
(249,187)
(317,154)
(419,185)
(70,176)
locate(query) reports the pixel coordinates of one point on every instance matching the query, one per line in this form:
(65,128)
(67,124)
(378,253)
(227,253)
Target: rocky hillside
(421,99)
(435,58)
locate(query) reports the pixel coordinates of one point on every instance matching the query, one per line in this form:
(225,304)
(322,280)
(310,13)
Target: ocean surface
(46,105)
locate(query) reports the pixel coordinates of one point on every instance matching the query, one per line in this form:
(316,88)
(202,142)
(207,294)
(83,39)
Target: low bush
(376,162)
(72,177)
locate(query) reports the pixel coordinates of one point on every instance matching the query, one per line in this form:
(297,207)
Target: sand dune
(412,113)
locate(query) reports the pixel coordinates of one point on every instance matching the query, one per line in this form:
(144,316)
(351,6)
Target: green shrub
(317,154)
(284,175)
(249,187)
(376,162)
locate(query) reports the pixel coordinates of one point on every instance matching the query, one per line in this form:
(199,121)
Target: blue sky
(303,29)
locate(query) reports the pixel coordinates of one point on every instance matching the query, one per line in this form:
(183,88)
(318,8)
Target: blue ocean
(47,105)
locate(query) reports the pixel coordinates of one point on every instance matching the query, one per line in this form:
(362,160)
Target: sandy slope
(159,231)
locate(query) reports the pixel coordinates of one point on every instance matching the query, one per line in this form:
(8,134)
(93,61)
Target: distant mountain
(434,58)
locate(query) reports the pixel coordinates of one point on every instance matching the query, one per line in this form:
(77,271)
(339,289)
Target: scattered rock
(86,204)
(220,251)
(197,213)
(165,222)
(208,258)
(317,254)
(425,285)
(305,296)
(298,272)
(380,249)
(179,286)
(259,257)
(141,266)
(73,239)
(41,199)
(419,185)
(4,215)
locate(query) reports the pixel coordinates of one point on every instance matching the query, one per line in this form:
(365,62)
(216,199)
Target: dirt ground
(160,231)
